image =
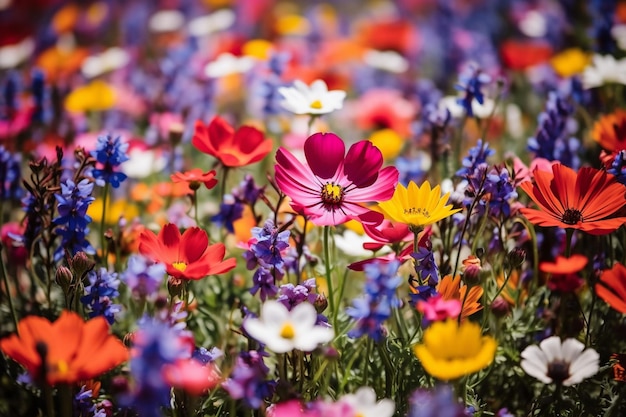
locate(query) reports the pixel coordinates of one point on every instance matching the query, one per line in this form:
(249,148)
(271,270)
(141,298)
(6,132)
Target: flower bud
(174,286)
(64,278)
(471,271)
(320,304)
(81,264)
(515,257)
(499,307)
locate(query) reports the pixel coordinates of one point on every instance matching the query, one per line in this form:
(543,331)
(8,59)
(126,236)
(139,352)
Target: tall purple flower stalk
(72,221)
(266,254)
(10,175)
(471,82)
(553,140)
(110,152)
(375,306)
(99,295)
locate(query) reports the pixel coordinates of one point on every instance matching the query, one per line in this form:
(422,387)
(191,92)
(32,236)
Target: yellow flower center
(332,194)
(316,105)
(181,266)
(62,367)
(288,331)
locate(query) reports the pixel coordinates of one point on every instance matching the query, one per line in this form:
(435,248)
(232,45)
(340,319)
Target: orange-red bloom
(564,272)
(586,200)
(610,131)
(233,149)
(195,177)
(66,351)
(186,256)
(612,287)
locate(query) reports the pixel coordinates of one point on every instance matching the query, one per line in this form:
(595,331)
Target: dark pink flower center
(332,195)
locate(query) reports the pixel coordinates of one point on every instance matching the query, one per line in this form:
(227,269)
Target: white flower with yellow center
(363,403)
(282,330)
(604,69)
(314,99)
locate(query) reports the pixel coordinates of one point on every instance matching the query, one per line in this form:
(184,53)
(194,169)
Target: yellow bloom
(570,62)
(417,206)
(115,210)
(451,351)
(388,141)
(257,48)
(95,96)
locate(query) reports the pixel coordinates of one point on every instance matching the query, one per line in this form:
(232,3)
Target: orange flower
(585,200)
(612,287)
(451,289)
(195,177)
(610,131)
(186,256)
(511,292)
(66,351)
(233,149)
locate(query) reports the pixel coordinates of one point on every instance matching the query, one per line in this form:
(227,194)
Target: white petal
(584,366)
(551,347)
(274,313)
(534,363)
(571,349)
(309,340)
(257,330)
(304,315)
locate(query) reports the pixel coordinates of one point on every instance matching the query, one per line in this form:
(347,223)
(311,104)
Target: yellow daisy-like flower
(451,350)
(570,62)
(95,96)
(417,206)
(388,141)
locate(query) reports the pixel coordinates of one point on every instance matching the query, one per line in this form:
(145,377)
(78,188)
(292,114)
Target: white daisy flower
(109,60)
(282,330)
(228,64)
(14,54)
(313,99)
(604,69)
(566,363)
(363,403)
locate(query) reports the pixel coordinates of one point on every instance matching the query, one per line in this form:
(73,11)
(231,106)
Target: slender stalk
(3,271)
(569,232)
(195,207)
(47,393)
(329,282)
(105,195)
(224,178)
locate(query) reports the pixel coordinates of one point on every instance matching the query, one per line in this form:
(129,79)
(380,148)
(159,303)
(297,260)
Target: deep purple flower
(230,210)
(83,402)
(618,166)
(98,298)
(471,83)
(291,295)
(248,192)
(374,307)
(143,276)
(39,95)
(553,140)
(205,356)
(268,246)
(110,152)
(10,175)
(72,221)
(264,283)
(155,345)
(425,266)
(248,380)
(477,156)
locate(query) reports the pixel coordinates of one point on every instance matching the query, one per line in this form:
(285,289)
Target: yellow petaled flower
(451,350)
(95,96)
(388,141)
(417,206)
(570,62)
(257,48)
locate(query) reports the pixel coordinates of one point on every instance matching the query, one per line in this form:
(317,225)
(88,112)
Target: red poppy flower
(188,256)
(195,177)
(233,149)
(612,287)
(519,55)
(66,351)
(585,200)
(564,272)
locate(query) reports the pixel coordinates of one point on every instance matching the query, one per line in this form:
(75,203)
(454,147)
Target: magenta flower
(332,188)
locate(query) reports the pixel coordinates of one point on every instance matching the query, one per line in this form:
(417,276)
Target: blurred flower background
(312,208)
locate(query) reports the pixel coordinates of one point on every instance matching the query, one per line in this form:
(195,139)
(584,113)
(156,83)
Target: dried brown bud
(320,304)
(64,278)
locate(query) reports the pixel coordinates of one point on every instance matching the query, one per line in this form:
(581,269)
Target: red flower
(519,55)
(66,351)
(191,376)
(612,287)
(564,272)
(188,256)
(586,200)
(195,177)
(233,149)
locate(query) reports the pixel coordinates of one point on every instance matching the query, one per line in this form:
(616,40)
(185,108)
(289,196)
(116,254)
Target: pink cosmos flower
(331,188)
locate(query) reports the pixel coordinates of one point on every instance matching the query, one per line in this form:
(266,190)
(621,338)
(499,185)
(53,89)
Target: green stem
(3,271)
(389,374)
(569,232)
(105,195)
(47,393)
(224,178)
(329,282)
(195,207)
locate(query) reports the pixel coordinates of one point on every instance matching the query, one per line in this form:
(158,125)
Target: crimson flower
(333,186)
(186,256)
(586,200)
(612,287)
(232,148)
(564,272)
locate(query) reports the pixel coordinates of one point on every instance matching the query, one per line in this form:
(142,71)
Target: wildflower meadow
(332,208)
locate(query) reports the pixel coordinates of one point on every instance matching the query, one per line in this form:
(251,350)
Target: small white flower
(217,21)
(228,64)
(109,60)
(363,403)
(567,363)
(386,60)
(14,54)
(481,111)
(604,69)
(166,21)
(313,99)
(282,330)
